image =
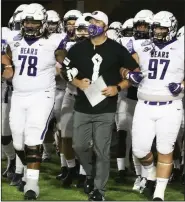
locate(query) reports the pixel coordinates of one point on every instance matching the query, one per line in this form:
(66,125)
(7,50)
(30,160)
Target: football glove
(69,74)
(135,77)
(175,88)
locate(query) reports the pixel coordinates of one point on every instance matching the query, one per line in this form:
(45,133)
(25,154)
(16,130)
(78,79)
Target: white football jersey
(70,88)
(127,42)
(6,33)
(160,66)
(34,62)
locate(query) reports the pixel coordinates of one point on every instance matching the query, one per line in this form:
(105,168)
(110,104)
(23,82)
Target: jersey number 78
(32,63)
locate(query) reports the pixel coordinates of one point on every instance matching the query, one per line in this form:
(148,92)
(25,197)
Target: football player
(54,26)
(116,26)
(17,178)
(142,26)
(67,114)
(6,139)
(124,142)
(159,108)
(176,172)
(112,34)
(67,156)
(7,144)
(34,53)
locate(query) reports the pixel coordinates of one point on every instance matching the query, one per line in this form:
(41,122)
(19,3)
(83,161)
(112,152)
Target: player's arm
(130,68)
(136,57)
(69,72)
(60,54)
(127,63)
(6,64)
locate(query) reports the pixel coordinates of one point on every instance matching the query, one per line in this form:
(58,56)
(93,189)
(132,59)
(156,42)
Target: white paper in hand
(93,92)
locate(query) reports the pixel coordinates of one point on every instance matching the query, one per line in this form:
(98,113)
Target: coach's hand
(135,77)
(175,88)
(83,84)
(110,91)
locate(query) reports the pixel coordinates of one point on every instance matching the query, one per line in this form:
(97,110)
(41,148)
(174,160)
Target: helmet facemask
(53,27)
(128,32)
(32,28)
(141,30)
(160,34)
(69,26)
(81,33)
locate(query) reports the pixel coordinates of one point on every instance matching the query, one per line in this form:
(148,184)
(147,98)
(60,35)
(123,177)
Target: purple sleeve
(130,47)
(63,43)
(3,46)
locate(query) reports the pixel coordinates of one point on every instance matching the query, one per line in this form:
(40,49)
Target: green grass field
(50,188)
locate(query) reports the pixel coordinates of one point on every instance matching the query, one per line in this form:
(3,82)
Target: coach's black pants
(94,132)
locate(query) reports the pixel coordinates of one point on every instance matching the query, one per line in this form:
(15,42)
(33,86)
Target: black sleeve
(68,63)
(126,59)
(69,60)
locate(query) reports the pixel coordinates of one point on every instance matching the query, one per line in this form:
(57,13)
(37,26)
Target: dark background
(120,10)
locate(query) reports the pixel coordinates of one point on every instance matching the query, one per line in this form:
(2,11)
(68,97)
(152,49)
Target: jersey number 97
(154,65)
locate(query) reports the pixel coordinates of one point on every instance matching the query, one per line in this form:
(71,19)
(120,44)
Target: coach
(84,64)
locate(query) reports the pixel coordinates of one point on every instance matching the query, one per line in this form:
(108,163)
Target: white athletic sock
(32,174)
(176,164)
(71,163)
(63,160)
(82,171)
(32,179)
(137,165)
(160,188)
(121,163)
(9,150)
(144,172)
(151,169)
(19,165)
